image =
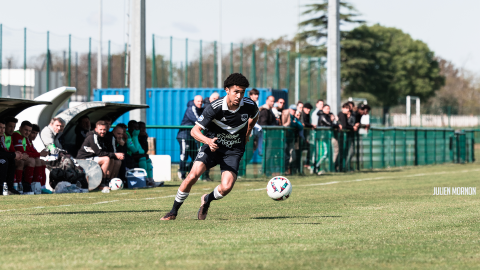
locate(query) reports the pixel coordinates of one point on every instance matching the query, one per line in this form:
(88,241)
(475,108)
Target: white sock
(181,196)
(217,194)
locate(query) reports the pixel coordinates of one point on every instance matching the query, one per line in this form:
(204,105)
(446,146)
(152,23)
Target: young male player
(227,122)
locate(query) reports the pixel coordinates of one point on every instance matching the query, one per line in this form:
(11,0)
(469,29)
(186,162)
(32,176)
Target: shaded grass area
(386,219)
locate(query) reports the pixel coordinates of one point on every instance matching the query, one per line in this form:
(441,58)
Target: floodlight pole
(297,58)
(99,53)
(333,56)
(219,55)
(138,66)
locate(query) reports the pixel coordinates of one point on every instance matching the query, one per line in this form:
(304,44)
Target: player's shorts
(228,162)
(93,158)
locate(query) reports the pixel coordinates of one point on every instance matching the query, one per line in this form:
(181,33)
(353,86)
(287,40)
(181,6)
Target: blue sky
(448,27)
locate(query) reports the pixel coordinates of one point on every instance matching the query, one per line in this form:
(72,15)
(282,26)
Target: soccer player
(39,164)
(227,123)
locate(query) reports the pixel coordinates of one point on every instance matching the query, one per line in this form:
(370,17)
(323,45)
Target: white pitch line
(105,202)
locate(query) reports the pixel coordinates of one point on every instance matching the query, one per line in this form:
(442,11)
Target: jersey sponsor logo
(19,141)
(244,117)
(228,139)
(200,118)
(200,155)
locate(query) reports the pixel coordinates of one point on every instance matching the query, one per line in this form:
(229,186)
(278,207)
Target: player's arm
(203,121)
(198,135)
(251,124)
(17,142)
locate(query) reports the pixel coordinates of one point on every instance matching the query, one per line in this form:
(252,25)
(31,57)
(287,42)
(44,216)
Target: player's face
(33,135)
(109,124)
(2,129)
(10,128)
(25,130)
(101,130)
(235,94)
(118,133)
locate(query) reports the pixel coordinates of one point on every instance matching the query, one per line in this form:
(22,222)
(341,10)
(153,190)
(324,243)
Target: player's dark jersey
(230,127)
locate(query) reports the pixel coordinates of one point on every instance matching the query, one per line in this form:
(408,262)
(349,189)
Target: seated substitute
(227,124)
(95,148)
(33,171)
(21,164)
(51,133)
(7,162)
(38,162)
(81,130)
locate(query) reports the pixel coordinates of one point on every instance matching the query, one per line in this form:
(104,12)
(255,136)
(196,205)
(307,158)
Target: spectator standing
(361,111)
(253,95)
(307,108)
(266,115)
(188,145)
(318,108)
(208,100)
(327,119)
(300,108)
(346,124)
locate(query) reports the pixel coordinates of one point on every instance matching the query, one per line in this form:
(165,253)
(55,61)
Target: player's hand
(213,146)
(44,153)
(18,155)
(120,156)
(24,156)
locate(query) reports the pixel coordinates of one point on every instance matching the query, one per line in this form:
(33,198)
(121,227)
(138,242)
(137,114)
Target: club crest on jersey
(244,117)
(200,155)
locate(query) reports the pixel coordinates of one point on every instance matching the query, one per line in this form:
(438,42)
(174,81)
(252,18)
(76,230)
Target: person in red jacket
(19,141)
(39,163)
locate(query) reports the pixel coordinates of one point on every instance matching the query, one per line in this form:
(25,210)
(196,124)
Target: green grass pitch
(368,220)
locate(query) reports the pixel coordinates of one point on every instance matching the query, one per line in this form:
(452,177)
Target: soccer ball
(116,184)
(279,188)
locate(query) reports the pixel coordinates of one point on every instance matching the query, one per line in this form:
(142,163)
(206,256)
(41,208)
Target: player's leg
(19,170)
(105,165)
(229,166)
(37,176)
(116,167)
(184,190)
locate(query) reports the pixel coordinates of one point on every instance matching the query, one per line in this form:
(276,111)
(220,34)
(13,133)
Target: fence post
(253,72)
(1,59)
(89,87)
(186,62)
(287,79)
(383,148)
(154,62)
(200,64)
(170,70)
(109,68)
(124,68)
(435,146)
(24,62)
(309,74)
(69,60)
(241,58)
(425,147)
(371,150)
(405,147)
(48,62)
(277,70)
(231,57)
(319,79)
(415,162)
(264,157)
(265,54)
(394,147)
(282,159)
(215,68)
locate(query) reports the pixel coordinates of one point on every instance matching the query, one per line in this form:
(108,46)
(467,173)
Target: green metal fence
(285,152)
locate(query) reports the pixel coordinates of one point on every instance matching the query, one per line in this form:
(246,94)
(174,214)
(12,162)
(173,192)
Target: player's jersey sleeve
(31,151)
(253,108)
(206,118)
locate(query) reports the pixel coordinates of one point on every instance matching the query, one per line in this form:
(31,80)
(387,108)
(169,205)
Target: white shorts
(93,158)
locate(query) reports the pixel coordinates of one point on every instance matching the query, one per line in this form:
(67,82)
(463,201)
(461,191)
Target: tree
(314,30)
(387,64)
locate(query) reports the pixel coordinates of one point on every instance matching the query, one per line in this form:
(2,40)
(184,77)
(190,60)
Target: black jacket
(266,117)
(80,135)
(324,120)
(306,120)
(95,146)
(4,154)
(343,120)
(189,119)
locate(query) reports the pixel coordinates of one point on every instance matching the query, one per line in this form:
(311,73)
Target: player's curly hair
(236,79)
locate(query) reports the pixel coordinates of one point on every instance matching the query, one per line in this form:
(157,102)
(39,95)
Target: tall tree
(313,33)
(387,64)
